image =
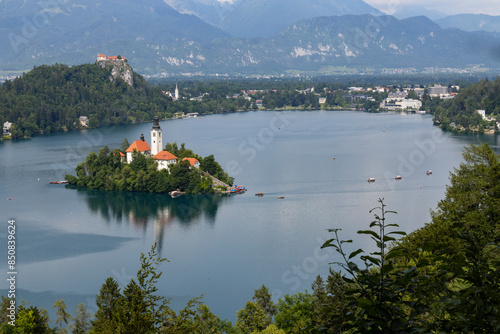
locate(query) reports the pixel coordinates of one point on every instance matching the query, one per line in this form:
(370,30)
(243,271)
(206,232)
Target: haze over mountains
(272,37)
(471,22)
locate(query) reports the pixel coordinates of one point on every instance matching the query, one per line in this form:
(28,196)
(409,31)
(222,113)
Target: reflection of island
(162,209)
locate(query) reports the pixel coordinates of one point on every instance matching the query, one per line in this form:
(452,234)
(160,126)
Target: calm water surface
(70,241)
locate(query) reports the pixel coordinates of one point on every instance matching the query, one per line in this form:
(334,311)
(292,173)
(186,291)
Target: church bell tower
(156,137)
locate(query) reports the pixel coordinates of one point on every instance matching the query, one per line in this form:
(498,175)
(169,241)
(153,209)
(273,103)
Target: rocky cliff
(119,69)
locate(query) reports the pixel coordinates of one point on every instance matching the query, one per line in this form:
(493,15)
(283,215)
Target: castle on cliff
(101,57)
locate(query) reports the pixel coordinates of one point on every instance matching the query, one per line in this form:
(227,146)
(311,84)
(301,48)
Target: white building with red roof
(140,146)
(193,162)
(165,159)
(162,157)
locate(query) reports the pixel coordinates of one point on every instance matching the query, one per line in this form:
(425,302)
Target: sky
(449,7)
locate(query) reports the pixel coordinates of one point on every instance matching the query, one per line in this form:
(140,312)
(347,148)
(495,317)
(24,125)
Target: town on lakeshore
(121,96)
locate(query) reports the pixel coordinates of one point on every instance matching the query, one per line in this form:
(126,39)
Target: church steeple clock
(156,137)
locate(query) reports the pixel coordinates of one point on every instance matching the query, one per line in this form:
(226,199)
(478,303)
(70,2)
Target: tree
(33,320)
(271,329)
(330,304)
(295,313)
(262,297)
(81,322)
(62,314)
(139,162)
(134,315)
(125,145)
(197,318)
(463,240)
(472,202)
(107,307)
(138,309)
(251,318)
(412,95)
(383,297)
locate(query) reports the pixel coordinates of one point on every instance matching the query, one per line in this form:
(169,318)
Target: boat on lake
(371,179)
(237,190)
(429,172)
(398,177)
(58,182)
(259,194)
(176,193)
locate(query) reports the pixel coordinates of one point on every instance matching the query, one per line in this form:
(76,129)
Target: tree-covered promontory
(460,113)
(52,98)
(106,170)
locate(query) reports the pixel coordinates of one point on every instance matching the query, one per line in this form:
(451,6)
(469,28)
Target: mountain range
(471,22)
(251,37)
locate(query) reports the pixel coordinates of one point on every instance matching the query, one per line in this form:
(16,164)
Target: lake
(69,241)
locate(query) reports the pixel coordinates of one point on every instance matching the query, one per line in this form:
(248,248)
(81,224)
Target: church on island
(164,158)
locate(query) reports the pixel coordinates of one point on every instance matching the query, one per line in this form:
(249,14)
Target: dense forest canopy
(52,98)
(460,113)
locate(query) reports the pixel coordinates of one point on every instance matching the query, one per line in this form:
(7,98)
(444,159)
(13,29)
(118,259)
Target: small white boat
(371,179)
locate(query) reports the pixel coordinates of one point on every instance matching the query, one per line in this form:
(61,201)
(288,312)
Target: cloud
(449,7)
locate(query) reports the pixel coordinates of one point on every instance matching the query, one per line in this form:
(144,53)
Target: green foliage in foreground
(443,278)
(106,171)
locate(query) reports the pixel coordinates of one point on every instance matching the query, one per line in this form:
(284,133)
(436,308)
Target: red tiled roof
(192,161)
(139,146)
(165,155)
(113,57)
(121,154)
(100,55)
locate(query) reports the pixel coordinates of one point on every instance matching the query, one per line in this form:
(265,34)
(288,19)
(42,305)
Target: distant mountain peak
(471,22)
(265,18)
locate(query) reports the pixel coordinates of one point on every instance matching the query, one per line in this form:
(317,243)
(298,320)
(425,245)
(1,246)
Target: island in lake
(144,168)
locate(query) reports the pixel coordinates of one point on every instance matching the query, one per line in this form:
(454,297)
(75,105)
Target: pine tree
(62,314)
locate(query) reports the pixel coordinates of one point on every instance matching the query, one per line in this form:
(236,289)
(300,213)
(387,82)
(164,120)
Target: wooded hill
(52,98)
(460,114)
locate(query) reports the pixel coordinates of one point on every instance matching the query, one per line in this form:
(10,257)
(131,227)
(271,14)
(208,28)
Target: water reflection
(141,208)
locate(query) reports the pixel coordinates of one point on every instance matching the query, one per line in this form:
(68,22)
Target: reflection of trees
(139,208)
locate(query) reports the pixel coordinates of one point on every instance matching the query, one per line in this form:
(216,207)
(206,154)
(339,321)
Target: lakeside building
(438,91)
(193,162)
(6,128)
(139,146)
(84,120)
(165,159)
(400,103)
(482,113)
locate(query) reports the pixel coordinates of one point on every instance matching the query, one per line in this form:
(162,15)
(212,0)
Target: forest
(459,114)
(441,278)
(51,98)
(106,170)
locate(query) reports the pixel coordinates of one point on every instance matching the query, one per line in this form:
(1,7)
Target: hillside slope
(52,98)
(74,31)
